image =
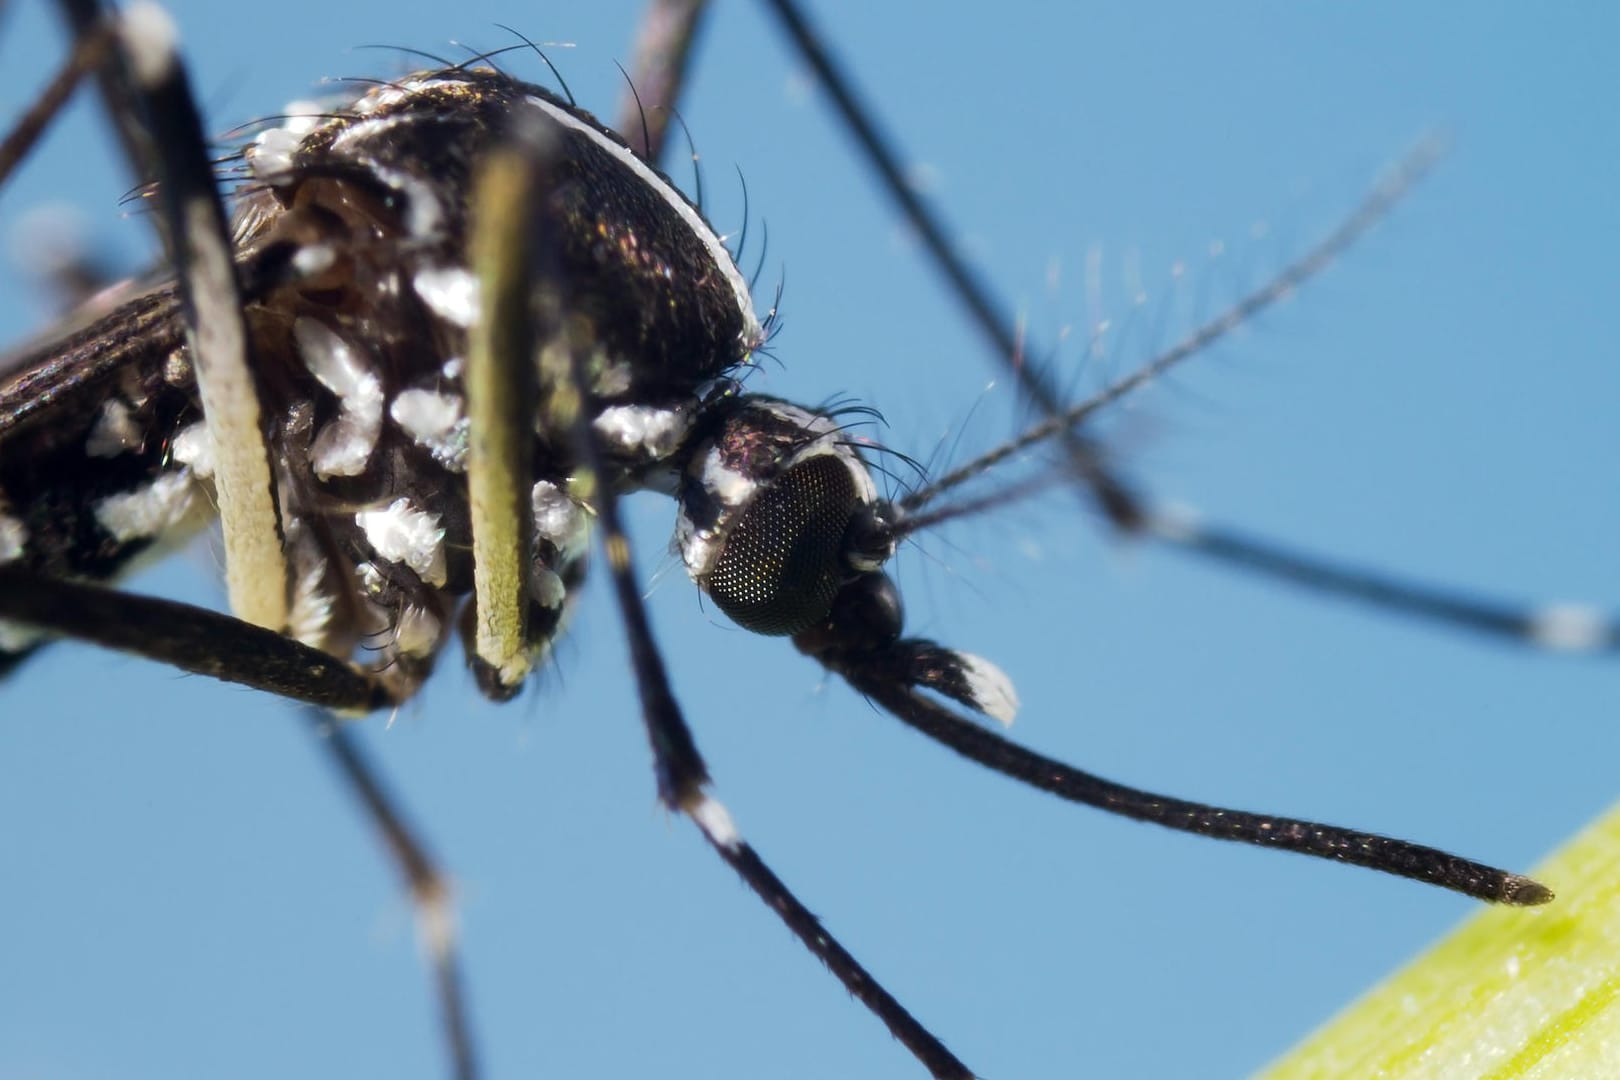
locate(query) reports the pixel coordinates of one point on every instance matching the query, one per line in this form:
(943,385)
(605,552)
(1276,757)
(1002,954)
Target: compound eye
(783,562)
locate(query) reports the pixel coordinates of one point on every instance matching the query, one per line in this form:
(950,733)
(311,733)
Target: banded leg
(205,642)
(189,638)
(1084,456)
(505,196)
(89,54)
(153,107)
(1555,627)
(1561,627)
(199,248)
(663,54)
(429,888)
(71,273)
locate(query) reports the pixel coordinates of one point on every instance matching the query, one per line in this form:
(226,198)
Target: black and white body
(351,238)
(364,302)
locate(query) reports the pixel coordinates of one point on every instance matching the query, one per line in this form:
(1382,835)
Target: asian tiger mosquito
(1027,864)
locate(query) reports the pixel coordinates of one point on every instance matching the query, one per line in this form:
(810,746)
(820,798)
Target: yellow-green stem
(1513,994)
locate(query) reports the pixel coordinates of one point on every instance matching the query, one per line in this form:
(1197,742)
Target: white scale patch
(991,689)
(177,368)
(114,431)
(547,588)
(644,429)
(1569,627)
(271,155)
(194,446)
(148,512)
(451,292)
(311,610)
(715,821)
(370,128)
(699,548)
(424,217)
(150,38)
(386,97)
(403,534)
(417,631)
(733,490)
(1176,523)
(13,537)
(434,420)
(731,487)
(753,334)
(344,445)
(614,379)
(16,636)
(313,259)
(560,519)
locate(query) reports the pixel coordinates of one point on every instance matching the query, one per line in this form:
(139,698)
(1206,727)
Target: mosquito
(821,787)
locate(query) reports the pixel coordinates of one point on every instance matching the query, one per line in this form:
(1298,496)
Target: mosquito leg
(506,197)
(116,83)
(1556,627)
(1376,205)
(1085,457)
(89,52)
(69,270)
(529,539)
(429,888)
(663,51)
(1121,504)
(207,643)
(199,247)
(879,150)
(190,638)
(501,398)
(1566,627)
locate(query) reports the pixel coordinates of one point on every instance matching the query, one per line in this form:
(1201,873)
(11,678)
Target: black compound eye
(783,561)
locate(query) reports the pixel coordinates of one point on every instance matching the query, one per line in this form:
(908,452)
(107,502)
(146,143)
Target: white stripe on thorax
(753,334)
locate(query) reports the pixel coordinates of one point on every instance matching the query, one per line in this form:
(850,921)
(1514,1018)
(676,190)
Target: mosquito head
(778,514)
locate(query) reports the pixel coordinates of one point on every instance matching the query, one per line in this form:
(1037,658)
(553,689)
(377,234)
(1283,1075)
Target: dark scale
(350,245)
(351,240)
(87,423)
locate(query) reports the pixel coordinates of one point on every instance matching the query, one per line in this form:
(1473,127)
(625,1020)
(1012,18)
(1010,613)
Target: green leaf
(1514,993)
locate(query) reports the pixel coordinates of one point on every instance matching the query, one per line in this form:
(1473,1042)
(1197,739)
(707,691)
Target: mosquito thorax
(350,233)
(778,512)
(639,260)
(375,197)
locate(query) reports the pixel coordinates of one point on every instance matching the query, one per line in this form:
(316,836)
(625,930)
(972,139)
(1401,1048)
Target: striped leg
(508,209)
(1558,627)
(151,104)
(199,248)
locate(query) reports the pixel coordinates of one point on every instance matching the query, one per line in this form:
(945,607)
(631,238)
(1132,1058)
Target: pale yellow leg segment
(255,566)
(500,393)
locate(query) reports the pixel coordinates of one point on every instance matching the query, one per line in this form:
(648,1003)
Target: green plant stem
(1514,993)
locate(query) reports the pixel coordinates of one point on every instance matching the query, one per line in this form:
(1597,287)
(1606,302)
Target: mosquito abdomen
(94,465)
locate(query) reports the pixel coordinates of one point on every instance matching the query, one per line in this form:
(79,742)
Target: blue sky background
(186,892)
